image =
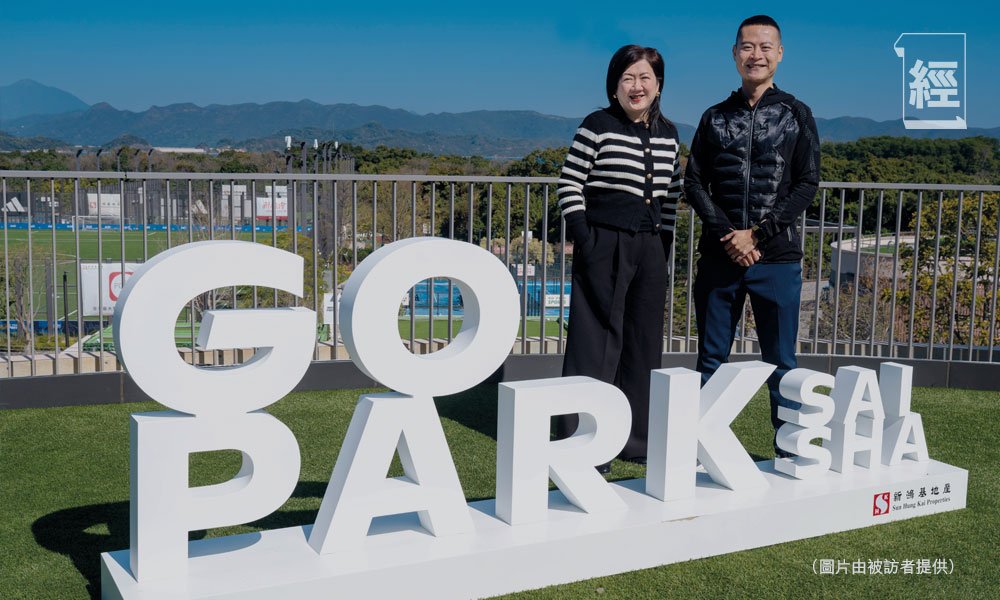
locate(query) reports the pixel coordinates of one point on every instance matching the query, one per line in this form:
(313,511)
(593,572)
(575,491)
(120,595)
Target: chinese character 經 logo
(933,80)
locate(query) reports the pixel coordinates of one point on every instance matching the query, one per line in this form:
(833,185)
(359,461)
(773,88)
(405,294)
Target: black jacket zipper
(746,188)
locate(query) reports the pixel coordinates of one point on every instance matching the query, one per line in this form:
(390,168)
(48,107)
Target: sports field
(109,247)
(60,248)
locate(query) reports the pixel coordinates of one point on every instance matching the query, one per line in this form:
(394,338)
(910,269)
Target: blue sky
(452,57)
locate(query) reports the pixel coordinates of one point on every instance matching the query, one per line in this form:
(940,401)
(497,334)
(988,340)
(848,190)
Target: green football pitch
(61,251)
(54,254)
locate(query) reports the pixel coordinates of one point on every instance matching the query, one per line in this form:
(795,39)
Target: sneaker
(603,469)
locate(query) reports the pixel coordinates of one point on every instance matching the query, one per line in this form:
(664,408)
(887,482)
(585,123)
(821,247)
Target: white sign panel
(235,195)
(552,300)
(274,203)
(101,284)
(328,312)
(110,204)
(414,535)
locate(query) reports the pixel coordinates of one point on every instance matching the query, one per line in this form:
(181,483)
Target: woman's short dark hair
(625,57)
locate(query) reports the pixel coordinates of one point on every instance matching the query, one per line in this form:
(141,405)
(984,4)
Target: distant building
(173,150)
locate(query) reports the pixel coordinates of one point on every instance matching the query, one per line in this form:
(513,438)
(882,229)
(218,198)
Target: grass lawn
(110,250)
(441,328)
(110,246)
(111,242)
(64,500)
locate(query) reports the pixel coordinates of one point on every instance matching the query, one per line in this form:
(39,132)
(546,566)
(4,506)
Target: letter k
(685,422)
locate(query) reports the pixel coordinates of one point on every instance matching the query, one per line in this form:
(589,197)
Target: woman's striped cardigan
(616,170)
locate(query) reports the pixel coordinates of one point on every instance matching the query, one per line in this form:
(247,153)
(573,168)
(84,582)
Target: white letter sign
(408,419)
(163,508)
(805,424)
(527,459)
(856,439)
(415,535)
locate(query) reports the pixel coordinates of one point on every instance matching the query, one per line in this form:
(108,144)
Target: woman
(618,193)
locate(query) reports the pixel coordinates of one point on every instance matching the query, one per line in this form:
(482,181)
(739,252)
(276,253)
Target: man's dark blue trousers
(720,289)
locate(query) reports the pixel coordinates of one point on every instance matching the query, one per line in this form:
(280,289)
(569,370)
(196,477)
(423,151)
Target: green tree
(268,297)
(971,278)
(232,161)
(15,277)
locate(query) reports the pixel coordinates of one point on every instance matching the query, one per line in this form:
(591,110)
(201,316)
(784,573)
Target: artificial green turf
(111,242)
(441,328)
(110,246)
(111,250)
(64,500)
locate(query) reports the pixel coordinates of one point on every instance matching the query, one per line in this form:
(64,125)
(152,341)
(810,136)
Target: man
(753,170)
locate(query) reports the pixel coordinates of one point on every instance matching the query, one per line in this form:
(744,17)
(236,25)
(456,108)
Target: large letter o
(371,311)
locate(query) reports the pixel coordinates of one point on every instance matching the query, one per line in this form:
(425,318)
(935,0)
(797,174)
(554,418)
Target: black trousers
(616,320)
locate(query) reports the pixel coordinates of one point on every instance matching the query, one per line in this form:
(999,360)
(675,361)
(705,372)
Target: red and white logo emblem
(880,505)
(116,281)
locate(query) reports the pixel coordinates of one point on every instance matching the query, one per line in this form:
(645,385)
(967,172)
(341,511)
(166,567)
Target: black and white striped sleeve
(668,203)
(579,162)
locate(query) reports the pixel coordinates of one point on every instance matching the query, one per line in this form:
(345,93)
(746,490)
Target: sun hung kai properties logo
(933,80)
(880,504)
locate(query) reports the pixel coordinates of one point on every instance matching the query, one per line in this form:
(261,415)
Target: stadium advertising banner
(274,203)
(110,204)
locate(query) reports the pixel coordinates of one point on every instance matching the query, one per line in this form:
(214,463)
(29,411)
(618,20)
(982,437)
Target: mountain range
(33,115)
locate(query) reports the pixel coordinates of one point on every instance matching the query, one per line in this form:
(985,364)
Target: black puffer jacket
(735,183)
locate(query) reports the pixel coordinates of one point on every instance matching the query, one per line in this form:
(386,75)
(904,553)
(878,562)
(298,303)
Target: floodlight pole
(298,205)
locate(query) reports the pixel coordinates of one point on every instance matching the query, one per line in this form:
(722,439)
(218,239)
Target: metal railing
(889,270)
